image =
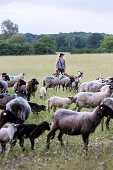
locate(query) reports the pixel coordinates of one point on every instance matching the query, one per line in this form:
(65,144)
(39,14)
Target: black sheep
(31,131)
(37,108)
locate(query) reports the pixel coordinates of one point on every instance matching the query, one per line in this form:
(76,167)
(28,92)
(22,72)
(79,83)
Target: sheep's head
(106,110)
(5,77)
(34,81)
(8,116)
(46,125)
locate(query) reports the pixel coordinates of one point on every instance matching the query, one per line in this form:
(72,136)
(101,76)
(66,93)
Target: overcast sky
(54,16)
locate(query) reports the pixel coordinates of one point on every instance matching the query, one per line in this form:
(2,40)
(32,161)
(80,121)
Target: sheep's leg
(85,138)
(22,143)
(32,143)
(102,123)
(60,138)
(107,122)
(3,145)
(13,143)
(50,136)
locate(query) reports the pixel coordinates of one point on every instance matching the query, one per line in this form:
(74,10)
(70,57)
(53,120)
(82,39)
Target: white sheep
(54,102)
(42,92)
(89,99)
(14,79)
(6,135)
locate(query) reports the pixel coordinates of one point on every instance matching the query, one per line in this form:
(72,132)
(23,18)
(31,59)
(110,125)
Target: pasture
(72,155)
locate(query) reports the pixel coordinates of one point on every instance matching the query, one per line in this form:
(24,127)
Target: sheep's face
(7,116)
(5,77)
(46,125)
(34,81)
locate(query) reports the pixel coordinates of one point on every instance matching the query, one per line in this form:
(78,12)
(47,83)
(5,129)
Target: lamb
(32,86)
(76,123)
(20,106)
(54,102)
(31,131)
(108,102)
(51,81)
(8,116)
(6,135)
(14,79)
(19,85)
(42,92)
(89,99)
(37,108)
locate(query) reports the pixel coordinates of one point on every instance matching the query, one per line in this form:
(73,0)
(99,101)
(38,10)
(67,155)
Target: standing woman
(60,64)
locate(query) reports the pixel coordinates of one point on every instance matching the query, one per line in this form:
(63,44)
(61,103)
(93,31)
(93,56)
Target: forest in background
(14,43)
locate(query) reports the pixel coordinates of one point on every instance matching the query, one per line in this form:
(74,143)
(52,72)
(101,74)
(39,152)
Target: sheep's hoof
(47,147)
(23,149)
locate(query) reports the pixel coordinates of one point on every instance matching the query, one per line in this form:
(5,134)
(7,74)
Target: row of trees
(14,43)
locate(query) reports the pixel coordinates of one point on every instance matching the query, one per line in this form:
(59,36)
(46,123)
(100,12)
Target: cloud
(54,16)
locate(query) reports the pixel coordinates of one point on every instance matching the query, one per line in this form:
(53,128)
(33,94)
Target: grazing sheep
(14,79)
(92,86)
(32,86)
(19,85)
(54,102)
(37,108)
(42,92)
(51,81)
(89,99)
(5,98)
(108,102)
(8,116)
(6,135)
(31,131)
(76,123)
(20,106)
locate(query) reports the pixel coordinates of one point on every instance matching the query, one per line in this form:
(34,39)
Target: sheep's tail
(44,83)
(48,105)
(107,110)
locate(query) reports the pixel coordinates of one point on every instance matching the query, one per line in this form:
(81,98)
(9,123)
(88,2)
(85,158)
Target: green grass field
(72,155)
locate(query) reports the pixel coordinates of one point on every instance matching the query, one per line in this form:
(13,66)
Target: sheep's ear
(16,125)
(71,97)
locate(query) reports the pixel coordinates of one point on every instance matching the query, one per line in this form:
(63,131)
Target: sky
(56,16)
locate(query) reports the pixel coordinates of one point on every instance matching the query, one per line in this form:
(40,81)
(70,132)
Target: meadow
(72,155)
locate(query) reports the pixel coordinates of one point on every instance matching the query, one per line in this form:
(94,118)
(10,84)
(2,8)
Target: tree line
(14,43)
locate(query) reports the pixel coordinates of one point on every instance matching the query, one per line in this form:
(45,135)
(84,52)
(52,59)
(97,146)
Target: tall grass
(72,155)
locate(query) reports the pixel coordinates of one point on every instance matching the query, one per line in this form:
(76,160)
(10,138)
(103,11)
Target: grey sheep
(76,123)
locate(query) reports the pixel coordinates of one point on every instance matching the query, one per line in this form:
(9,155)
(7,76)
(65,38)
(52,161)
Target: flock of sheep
(97,94)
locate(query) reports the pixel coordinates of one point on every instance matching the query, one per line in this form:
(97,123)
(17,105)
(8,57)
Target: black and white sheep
(6,135)
(31,131)
(51,81)
(14,79)
(76,123)
(20,106)
(36,107)
(8,116)
(89,99)
(55,101)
